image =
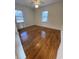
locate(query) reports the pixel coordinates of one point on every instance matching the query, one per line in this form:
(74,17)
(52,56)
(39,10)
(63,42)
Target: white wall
(60,50)
(31,17)
(19,52)
(28,16)
(55,18)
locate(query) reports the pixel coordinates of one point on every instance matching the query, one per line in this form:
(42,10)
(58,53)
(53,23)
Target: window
(19,16)
(44,16)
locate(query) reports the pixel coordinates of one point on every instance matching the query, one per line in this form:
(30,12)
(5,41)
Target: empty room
(39,28)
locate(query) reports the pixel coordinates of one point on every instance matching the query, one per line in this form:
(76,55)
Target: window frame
(20,16)
(44,20)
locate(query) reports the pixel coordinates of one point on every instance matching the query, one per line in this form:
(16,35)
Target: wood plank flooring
(40,42)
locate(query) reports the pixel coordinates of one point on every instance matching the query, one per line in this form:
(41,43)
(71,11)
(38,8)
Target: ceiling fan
(37,3)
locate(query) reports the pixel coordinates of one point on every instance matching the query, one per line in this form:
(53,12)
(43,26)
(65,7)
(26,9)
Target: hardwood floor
(40,42)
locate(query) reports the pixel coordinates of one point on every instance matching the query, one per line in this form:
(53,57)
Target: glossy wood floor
(40,42)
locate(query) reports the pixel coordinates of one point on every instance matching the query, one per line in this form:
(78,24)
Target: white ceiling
(29,2)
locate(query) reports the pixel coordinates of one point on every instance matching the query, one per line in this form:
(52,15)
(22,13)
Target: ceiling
(29,2)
